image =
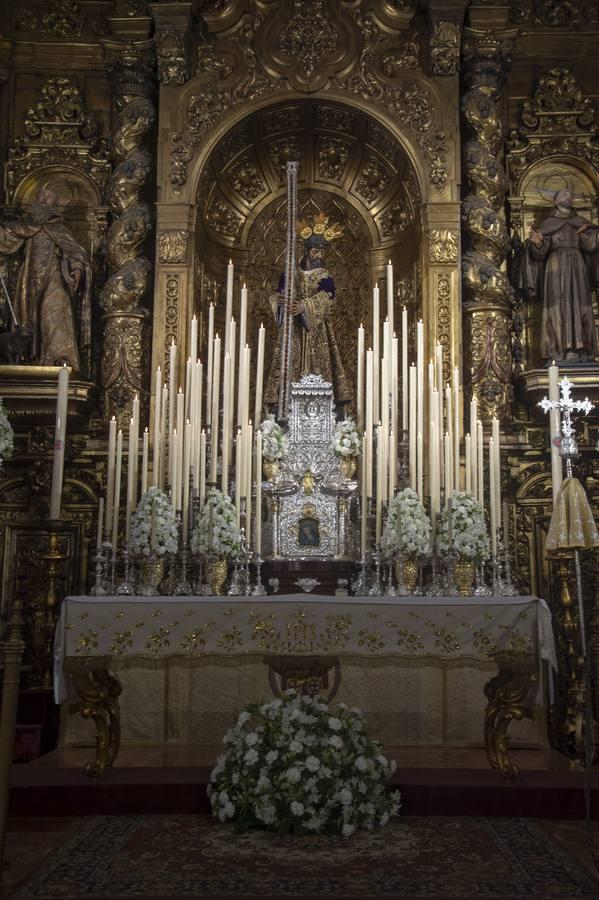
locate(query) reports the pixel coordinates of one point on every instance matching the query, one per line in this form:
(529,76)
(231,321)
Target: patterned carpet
(193,856)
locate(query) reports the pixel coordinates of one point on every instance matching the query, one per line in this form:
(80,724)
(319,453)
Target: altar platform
(172,778)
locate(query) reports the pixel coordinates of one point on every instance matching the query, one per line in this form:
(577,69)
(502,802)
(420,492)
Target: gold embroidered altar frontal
(417,667)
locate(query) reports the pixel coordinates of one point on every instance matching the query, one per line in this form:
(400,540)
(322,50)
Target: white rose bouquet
(274,441)
(6,434)
(216,533)
(469,537)
(154,526)
(346,440)
(408,528)
(294,766)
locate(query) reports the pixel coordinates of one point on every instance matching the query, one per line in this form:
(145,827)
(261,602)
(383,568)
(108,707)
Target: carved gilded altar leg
(98,693)
(505,692)
(571,736)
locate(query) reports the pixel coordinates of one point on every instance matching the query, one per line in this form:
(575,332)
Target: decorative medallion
(172,246)
(309,36)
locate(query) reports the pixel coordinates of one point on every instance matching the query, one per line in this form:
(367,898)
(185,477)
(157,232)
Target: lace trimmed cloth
(572,525)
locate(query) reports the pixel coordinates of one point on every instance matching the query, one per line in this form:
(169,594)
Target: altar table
(97,637)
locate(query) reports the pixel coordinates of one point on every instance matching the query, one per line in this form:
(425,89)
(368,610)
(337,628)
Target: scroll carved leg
(506,692)
(98,692)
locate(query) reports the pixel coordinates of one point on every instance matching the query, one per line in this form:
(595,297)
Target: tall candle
(198,426)
(210,365)
(404,368)
(394,376)
(497,472)
(193,339)
(202,487)
(480,472)
(186,464)
(375,350)
(492,500)
(468,462)
(412,432)
(259,377)
(379,483)
(474,439)
(390,303)
(238,474)
(448,468)
(258,530)
(554,432)
(420,389)
(100,524)
(248,482)
(215,401)
(144,461)
(157,442)
(224,483)
(420,466)
(111,464)
(457,431)
(129,502)
(164,405)
(134,496)
(117,491)
(172,459)
(179,474)
(172,385)
(60,431)
(360,380)
(229,308)
(364,510)
(243,316)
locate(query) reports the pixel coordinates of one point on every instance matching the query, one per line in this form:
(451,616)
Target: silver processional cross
(566,405)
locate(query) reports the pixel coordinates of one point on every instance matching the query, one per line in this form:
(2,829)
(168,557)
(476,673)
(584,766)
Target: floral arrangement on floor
(408,528)
(346,440)
(154,526)
(6,435)
(469,538)
(293,766)
(274,441)
(215,532)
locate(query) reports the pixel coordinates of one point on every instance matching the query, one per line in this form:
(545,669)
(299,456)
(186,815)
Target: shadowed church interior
(299,378)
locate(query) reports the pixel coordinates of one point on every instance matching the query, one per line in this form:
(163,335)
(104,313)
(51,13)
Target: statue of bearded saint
(315,349)
(53,293)
(560,264)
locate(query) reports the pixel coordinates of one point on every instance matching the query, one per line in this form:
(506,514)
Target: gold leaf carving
(172,246)
(444,246)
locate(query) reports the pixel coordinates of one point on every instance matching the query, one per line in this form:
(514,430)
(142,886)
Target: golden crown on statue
(320,225)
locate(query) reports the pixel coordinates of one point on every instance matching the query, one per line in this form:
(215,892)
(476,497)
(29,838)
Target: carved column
(125,360)
(486,293)
(173,288)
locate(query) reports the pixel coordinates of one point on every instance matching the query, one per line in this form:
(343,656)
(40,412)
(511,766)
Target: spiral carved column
(125,359)
(486,291)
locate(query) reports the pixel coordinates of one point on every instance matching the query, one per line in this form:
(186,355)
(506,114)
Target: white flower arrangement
(274,441)
(216,533)
(469,537)
(294,766)
(154,526)
(346,440)
(6,434)
(408,528)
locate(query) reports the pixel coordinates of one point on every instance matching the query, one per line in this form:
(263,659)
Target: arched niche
(351,167)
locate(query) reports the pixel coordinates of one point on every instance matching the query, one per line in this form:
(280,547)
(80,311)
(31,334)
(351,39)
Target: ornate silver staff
(287,324)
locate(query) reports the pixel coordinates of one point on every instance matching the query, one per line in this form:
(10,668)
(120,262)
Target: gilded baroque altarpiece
(425,128)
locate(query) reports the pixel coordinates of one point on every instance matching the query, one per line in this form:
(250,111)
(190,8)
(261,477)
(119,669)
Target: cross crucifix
(566,405)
